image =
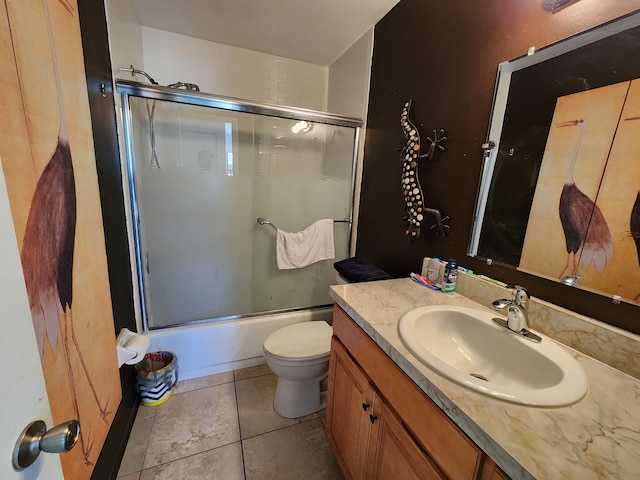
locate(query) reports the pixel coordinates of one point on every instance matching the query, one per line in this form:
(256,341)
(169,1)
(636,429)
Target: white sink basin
(464,345)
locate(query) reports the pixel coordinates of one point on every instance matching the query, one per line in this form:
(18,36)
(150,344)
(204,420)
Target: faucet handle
(520,294)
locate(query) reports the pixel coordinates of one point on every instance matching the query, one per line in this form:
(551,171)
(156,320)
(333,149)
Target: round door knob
(35,438)
(373,418)
(60,438)
(365,406)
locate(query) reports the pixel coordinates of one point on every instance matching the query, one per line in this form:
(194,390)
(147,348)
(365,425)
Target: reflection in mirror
(559,195)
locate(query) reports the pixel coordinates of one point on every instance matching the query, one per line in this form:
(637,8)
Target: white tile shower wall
(233,71)
(125,38)
(610,345)
(349,78)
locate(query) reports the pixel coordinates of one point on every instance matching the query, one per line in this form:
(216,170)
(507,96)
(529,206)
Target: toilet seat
(304,341)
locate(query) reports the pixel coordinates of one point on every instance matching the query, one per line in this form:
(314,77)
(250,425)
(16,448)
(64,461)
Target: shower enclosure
(202,170)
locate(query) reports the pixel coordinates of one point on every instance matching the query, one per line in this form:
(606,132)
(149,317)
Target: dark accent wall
(444,56)
(103,117)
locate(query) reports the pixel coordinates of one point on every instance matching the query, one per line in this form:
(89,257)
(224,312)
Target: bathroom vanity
(390,416)
(371,400)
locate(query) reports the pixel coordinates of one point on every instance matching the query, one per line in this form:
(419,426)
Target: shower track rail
(191,97)
(128,88)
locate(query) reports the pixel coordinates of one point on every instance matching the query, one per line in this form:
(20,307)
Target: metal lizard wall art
(411,189)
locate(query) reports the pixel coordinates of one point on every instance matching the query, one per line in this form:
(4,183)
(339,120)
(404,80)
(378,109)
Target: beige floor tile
(138,441)
(191,423)
(223,463)
(203,382)
(292,453)
(255,406)
(251,372)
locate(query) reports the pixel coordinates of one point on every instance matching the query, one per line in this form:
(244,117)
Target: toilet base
(296,399)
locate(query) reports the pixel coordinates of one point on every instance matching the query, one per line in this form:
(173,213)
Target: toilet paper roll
(138,344)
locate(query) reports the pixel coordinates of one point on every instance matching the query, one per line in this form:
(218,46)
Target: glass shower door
(201,177)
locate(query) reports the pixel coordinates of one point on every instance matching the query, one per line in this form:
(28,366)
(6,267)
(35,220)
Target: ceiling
(317,31)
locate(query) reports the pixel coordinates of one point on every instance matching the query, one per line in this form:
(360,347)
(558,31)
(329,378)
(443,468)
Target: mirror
(559,193)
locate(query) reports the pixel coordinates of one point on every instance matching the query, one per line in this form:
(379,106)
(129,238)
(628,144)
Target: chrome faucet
(517,313)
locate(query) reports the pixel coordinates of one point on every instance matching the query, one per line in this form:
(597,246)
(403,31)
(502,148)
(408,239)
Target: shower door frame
(128,88)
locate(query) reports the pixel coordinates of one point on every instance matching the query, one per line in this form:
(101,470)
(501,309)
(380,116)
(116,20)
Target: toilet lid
(300,340)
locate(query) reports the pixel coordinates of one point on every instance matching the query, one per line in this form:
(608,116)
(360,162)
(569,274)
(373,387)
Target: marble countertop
(596,438)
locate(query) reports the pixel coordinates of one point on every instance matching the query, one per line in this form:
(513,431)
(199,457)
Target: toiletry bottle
(433,270)
(450,276)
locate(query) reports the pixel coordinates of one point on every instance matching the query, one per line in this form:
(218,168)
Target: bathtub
(208,348)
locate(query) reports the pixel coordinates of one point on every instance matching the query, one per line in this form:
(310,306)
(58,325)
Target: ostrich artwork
(585,229)
(634,221)
(634,231)
(47,257)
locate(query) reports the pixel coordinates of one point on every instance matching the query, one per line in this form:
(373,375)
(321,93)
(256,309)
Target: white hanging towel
(297,250)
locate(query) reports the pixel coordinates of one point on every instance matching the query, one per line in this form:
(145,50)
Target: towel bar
(263,221)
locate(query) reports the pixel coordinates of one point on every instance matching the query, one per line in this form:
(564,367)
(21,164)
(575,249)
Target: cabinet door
(456,455)
(491,471)
(349,405)
(392,451)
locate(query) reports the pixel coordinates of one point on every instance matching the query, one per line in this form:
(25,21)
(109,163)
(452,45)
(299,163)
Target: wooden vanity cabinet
(347,421)
(367,438)
(392,451)
(381,425)
(491,471)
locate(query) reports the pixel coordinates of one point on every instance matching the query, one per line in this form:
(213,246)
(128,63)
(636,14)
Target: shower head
(134,71)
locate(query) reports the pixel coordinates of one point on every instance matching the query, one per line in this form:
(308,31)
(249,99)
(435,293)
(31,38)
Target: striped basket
(157,376)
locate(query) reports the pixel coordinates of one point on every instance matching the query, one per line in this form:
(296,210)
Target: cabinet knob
(365,406)
(373,418)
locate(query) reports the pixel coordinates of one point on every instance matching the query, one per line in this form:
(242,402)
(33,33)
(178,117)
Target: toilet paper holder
(131,347)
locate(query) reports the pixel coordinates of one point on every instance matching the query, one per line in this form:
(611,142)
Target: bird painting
(634,231)
(47,258)
(585,229)
(634,220)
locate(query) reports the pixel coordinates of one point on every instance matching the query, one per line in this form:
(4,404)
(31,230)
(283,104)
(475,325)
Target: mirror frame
(497,119)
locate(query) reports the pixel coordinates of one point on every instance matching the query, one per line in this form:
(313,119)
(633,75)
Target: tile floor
(224,427)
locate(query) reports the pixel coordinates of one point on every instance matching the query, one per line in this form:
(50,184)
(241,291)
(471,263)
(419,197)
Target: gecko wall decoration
(411,189)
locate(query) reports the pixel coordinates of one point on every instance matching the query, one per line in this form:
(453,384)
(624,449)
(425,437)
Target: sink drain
(481,377)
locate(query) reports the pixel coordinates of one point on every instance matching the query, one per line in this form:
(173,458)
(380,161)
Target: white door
(23,396)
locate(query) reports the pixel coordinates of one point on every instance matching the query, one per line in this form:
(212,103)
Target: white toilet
(299,355)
